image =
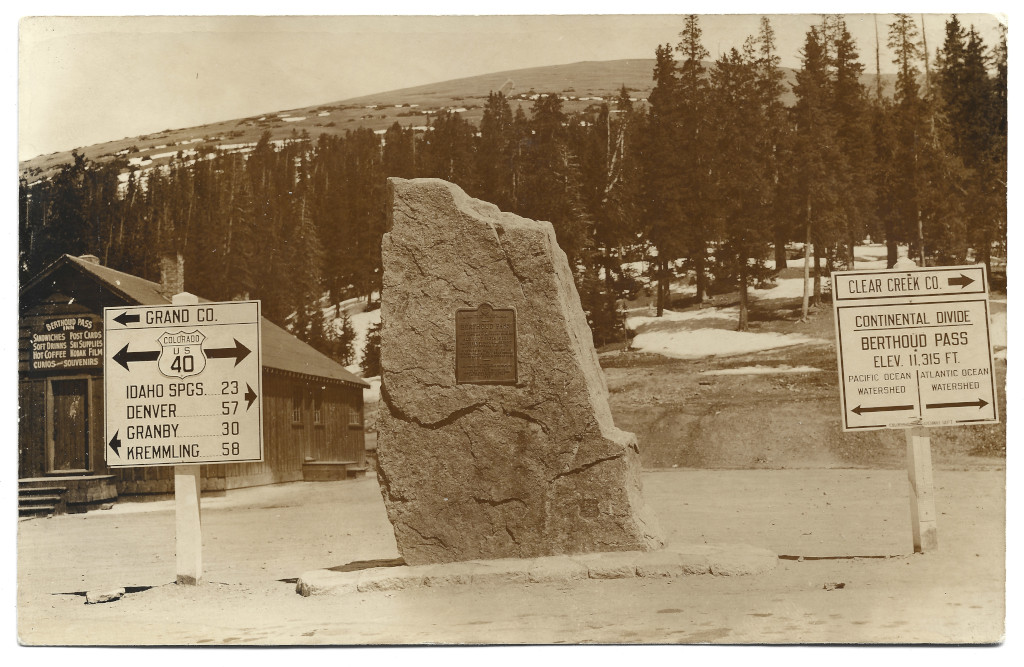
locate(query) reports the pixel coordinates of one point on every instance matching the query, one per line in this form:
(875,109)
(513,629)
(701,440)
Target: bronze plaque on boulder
(485,345)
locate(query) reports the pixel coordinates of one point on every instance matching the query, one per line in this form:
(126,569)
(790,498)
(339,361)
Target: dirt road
(847,530)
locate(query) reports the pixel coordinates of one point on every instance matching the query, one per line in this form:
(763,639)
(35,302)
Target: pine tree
(966,101)
(399,153)
(815,155)
(370,363)
(495,153)
(234,272)
(306,274)
(553,183)
(447,151)
(743,184)
(661,166)
(908,115)
(343,338)
(993,178)
(693,137)
(769,82)
(849,103)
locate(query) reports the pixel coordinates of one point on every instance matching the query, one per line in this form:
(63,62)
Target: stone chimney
(172,275)
(92,259)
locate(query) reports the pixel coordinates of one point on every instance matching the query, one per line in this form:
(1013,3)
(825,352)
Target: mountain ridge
(581,85)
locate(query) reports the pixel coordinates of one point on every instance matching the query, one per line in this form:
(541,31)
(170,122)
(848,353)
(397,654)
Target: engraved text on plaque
(485,345)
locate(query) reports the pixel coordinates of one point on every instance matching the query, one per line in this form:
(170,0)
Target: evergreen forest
(709,178)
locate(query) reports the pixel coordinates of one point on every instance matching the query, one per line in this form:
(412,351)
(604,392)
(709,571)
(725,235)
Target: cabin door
(68,422)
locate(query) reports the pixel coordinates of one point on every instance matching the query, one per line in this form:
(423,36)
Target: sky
(85,80)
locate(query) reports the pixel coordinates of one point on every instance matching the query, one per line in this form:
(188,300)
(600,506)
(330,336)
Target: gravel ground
(846,574)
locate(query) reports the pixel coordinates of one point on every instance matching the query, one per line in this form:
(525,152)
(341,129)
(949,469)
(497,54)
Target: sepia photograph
(506,330)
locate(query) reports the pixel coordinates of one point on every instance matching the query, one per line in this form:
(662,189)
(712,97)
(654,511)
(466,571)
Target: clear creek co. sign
(182,384)
(914,347)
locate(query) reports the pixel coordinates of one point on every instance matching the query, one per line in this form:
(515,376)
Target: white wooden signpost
(915,351)
(182,386)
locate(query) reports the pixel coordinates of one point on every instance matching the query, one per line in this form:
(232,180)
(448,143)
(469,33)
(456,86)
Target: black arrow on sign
(124,357)
(250,395)
(980,403)
(882,408)
(239,352)
(125,318)
(115,444)
(963,281)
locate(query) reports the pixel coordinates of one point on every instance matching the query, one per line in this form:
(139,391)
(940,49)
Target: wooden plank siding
(31,427)
(71,288)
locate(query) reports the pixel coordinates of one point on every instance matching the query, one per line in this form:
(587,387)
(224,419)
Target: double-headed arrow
(124,357)
(882,408)
(963,281)
(980,403)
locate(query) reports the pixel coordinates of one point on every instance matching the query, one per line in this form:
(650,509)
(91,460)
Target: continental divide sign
(914,347)
(182,384)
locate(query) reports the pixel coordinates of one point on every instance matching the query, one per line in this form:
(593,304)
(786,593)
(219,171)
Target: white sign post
(915,351)
(182,386)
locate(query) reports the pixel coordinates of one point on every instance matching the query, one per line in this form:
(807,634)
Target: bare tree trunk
(986,250)
(892,251)
(700,268)
(780,247)
(878,65)
(609,261)
(920,238)
(661,285)
(743,293)
(807,263)
(817,275)
(927,69)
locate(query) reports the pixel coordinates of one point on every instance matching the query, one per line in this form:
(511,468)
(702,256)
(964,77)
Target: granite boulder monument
(495,439)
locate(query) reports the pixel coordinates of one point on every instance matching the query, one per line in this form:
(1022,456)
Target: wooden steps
(42,500)
(76,493)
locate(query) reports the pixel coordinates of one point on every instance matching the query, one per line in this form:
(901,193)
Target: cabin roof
(282,351)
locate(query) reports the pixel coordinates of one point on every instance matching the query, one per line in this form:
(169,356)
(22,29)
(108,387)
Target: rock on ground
(471,471)
(110,595)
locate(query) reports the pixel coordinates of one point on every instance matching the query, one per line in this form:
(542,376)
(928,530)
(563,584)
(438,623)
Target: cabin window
(318,406)
(355,416)
(297,404)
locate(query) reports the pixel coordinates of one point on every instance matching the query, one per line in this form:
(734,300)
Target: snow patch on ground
(792,263)
(360,319)
(698,343)
(688,290)
(870,256)
(635,322)
(372,395)
(637,268)
(785,288)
